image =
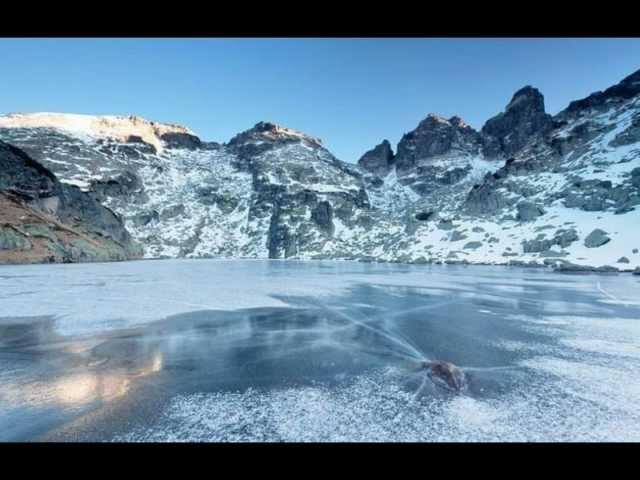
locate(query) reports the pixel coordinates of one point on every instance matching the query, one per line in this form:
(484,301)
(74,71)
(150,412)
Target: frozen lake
(211,350)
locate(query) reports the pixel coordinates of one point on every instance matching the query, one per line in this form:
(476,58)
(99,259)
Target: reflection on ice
(83,388)
(77,389)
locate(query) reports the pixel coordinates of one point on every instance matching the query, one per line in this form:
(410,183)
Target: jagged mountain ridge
(527,187)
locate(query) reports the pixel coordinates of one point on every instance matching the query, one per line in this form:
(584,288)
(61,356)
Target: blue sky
(352,93)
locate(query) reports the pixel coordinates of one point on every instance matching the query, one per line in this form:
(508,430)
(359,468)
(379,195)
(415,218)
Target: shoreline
(569,268)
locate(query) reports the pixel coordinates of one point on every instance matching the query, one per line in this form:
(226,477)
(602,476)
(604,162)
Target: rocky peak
(378,160)
(435,136)
(458,122)
(527,98)
(433,121)
(272,133)
(523,118)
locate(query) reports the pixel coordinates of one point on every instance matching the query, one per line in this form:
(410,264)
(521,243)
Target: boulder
(457,236)
(568,267)
(446,374)
(552,253)
(564,238)
(536,246)
(528,211)
(607,269)
(596,239)
(445,224)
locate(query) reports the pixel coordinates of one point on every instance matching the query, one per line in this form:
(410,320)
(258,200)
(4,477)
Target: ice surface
(315,351)
(88,298)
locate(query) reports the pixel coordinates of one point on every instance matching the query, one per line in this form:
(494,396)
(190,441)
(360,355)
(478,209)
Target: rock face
(509,131)
(379,160)
(425,216)
(527,189)
(322,214)
(435,136)
(45,221)
(181,140)
(126,184)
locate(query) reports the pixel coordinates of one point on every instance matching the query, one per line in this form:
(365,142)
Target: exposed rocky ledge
(43,220)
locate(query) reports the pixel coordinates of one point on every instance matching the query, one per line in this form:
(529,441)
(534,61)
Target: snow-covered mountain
(527,188)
